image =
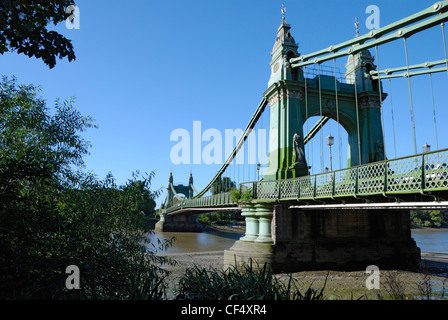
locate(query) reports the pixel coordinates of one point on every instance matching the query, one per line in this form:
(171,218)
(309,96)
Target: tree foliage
(429,218)
(53,215)
(145,203)
(24,27)
(223,184)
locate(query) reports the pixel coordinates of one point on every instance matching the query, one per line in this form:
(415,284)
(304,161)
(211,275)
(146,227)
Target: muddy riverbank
(339,285)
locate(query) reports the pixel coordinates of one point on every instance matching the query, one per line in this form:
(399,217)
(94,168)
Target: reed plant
(241,283)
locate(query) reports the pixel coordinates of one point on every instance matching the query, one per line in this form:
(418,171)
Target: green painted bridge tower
(293,99)
(173,191)
(344,219)
(178,223)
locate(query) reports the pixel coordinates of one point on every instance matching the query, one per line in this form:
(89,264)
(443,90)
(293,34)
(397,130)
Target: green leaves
(34,144)
(53,216)
(429,218)
(23,27)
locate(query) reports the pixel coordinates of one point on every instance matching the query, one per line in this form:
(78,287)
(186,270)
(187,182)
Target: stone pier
(294,240)
(178,223)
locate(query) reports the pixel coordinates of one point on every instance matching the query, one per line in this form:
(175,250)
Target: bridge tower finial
(285,48)
(283,12)
(357,27)
(170,179)
(190,179)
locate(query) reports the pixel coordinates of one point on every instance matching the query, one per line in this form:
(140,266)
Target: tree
(35,146)
(52,215)
(429,218)
(23,27)
(224,184)
(145,197)
(108,241)
(37,152)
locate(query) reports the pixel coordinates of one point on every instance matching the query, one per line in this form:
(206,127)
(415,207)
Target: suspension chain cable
(266,142)
(248,162)
(238,169)
(410,95)
(306,114)
(337,115)
(434,111)
(320,129)
(357,117)
(260,145)
(381,102)
(444,45)
(244,161)
(234,174)
(392,113)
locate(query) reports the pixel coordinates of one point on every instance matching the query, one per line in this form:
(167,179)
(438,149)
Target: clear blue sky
(145,68)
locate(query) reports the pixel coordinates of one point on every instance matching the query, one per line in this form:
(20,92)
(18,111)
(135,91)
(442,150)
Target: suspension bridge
(351,217)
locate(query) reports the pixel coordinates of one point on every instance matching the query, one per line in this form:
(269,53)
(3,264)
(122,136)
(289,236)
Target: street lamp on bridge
(426,148)
(330,142)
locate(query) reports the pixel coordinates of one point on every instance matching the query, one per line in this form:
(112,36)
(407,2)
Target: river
(429,240)
(197,242)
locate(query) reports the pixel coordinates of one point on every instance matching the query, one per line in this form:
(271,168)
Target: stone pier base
(178,223)
(325,239)
(244,251)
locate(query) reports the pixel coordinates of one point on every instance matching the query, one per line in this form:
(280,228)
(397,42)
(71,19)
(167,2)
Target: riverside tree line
(53,214)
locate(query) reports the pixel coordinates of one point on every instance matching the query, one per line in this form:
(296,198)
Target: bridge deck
(415,178)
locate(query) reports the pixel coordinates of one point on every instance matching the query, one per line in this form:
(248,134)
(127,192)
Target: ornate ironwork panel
(324,185)
(345,182)
(371,178)
(436,171)
(404,175)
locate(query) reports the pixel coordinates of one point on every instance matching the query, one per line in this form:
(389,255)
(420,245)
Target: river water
(197,242)
(428,241)
(435,240)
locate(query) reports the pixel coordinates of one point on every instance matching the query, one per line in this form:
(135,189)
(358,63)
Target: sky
(145,68)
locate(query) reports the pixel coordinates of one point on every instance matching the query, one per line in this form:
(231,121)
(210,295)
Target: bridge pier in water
(339,239)
(178,223)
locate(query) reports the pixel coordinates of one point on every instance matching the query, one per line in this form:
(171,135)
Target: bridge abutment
(326,239)
(178,223)
(257,244)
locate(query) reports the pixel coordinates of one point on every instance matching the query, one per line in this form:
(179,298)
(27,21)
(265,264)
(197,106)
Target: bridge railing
(220,199)
(420,173)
